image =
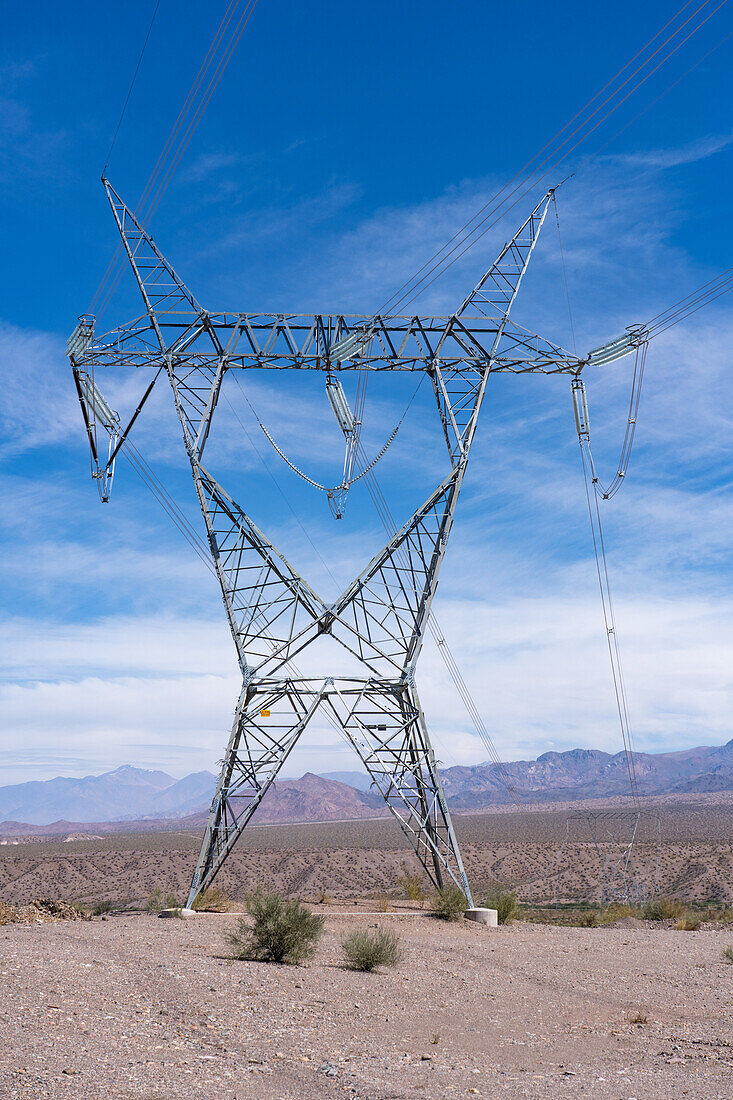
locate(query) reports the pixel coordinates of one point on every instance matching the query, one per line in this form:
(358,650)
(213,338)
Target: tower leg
(269,719)
(384,722)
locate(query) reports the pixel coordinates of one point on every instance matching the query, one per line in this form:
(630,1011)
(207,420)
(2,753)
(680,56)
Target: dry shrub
(9,914)
(412,884)
(690,922)
(282,930)
(61,910)
(506,905)
(158,900)
(589,919)
(618,911)
(727,954)
(449,903)
(213,900)
(367,950)
(663,909)
(638,1018)
(384,903)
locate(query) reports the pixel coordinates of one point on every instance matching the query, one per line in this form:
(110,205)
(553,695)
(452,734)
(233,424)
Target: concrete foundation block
(182,914)
(489,917)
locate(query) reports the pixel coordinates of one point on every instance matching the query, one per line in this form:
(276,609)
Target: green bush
(728,954)
(450,903)
(412,884)
(663,909)
(282,930)
(102,907)
(158,900)
(368,950)
(506,905)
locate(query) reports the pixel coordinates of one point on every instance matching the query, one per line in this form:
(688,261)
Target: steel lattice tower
(273,613)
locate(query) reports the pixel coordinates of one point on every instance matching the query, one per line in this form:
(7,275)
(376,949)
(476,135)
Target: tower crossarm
(296,342)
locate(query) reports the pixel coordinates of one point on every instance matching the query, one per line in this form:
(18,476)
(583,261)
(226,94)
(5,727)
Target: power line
(466,237)
(132,85)
(220,51)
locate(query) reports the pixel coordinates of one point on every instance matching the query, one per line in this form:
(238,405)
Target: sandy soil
(135,1006)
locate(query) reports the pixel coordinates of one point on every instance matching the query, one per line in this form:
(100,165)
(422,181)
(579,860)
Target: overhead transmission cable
(132,85)
(593,500)
(497,196)
(462,241)
(599,550)
(219,53)
(496,207)
(691,303)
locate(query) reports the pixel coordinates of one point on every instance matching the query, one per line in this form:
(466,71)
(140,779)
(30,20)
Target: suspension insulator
(339,404)
(580,408)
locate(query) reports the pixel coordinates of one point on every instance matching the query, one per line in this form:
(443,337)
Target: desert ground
(135,1006)
(536,853)
(129,1005)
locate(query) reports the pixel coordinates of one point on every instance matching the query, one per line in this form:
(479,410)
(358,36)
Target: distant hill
(38,809)
(124,792)
(589,773)
(129,794)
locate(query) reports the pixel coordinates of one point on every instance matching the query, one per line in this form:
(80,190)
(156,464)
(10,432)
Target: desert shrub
(102,907)
(158,900)
(9,914)
(688,922)
(367,950)
(590,918)
(663,909)
(384,903)
(506,905)
(618,911)
(213,900)
(638,1018)
(282,930)
(412,884)
(324,898)
(728,954)
(449,903)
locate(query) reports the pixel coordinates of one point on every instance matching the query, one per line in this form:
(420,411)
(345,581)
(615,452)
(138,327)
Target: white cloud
(162,692)
(115,659)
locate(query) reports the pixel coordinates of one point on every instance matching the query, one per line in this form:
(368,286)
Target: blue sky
(340,149)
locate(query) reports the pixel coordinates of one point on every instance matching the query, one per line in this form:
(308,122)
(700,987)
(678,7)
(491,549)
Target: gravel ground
(135,1006)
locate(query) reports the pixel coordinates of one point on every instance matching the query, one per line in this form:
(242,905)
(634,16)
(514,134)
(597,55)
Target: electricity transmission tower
(273,613)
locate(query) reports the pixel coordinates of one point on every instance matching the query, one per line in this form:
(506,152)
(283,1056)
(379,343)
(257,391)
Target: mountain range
(133,794)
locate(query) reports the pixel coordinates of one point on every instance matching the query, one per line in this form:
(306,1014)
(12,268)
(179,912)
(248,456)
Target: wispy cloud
(207,165)
(689,153)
